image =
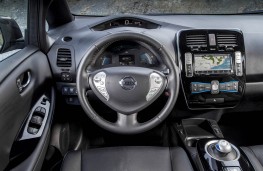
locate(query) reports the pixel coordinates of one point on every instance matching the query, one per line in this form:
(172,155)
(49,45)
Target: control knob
(223,146)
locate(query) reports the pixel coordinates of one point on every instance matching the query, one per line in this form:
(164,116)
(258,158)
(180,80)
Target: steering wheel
(127,89)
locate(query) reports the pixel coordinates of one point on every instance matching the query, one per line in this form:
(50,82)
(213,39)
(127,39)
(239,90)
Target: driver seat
(128,159)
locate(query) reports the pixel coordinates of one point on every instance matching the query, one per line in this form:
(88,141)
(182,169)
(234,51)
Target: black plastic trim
(35,160)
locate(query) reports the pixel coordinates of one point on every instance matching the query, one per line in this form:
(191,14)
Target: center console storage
(204,138)
(212,67)
(191,130)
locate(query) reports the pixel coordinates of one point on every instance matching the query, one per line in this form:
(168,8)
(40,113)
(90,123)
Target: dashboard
(219,57)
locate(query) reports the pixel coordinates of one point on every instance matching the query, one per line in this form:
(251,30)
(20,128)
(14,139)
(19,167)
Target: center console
(212,67)
(209,150)
(221,155)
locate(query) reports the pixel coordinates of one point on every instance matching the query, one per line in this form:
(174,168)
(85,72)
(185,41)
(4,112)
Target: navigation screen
(212,62)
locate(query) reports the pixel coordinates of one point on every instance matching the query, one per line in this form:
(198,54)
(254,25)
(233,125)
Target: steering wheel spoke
(127,120)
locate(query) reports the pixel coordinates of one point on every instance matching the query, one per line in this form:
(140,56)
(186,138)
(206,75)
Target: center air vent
(226,40)
(196,40)
(64,57)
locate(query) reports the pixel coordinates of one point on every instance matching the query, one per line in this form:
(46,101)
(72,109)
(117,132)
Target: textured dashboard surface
(84,37)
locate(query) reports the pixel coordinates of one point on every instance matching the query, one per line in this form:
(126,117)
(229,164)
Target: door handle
(23,81)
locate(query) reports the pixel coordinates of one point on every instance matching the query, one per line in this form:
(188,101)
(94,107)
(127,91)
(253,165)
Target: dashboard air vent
(64,57)
(226,40)
(196,40)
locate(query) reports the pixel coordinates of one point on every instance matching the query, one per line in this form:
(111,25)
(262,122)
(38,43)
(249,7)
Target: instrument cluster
(127,53)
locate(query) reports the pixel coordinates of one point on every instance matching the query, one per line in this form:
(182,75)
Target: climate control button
(215,87)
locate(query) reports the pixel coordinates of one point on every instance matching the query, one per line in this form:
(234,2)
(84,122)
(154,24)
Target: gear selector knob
(223,146)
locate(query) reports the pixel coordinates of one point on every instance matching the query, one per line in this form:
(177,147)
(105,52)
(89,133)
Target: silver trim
(99,81)
(238,60)
(188,57)
(216,141)
(21,86)
(156,82)
(28,80)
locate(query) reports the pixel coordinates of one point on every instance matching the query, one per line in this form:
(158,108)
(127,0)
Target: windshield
(113,7)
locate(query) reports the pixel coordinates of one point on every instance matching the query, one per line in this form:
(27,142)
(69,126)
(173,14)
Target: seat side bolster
(180,160)
(258,152)
(252,158)
(72,161)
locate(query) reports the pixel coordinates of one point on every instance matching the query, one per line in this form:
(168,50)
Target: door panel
(15,105)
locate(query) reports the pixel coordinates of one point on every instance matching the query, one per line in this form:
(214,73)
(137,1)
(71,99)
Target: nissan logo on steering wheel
(128,83)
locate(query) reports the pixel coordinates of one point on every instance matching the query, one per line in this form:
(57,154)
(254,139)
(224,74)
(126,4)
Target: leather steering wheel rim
(83,82)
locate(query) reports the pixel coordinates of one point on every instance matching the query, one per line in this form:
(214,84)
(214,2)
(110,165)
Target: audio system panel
(212,67)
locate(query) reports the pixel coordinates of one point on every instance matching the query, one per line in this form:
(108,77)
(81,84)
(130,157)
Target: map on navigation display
(212,62)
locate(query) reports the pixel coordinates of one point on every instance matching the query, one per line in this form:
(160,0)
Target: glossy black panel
(197,43)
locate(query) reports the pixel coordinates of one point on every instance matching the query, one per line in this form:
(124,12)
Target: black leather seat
(255,156)
(128,159)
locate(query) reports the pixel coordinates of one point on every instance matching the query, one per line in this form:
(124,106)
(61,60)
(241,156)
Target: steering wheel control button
(101,89)
(99,81)
(128,83)
(214,87)
(156,82)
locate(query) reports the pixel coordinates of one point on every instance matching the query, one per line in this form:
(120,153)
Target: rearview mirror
(9,34)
